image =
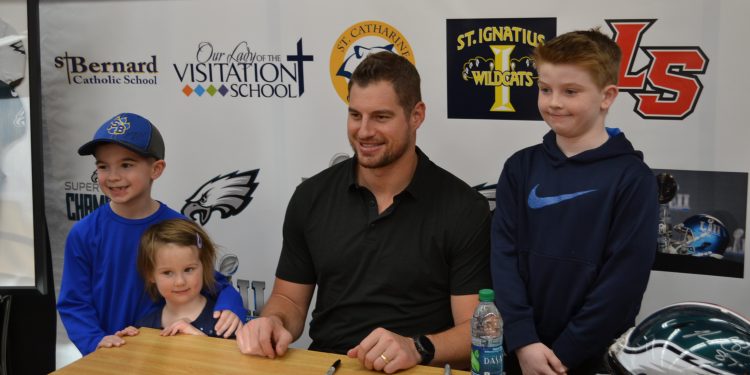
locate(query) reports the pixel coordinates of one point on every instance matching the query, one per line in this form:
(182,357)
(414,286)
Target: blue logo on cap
(118,126)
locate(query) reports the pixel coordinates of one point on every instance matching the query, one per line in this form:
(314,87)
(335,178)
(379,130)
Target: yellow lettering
(480,77)
(505,34)
(529,79)
(460,42)
(510,33)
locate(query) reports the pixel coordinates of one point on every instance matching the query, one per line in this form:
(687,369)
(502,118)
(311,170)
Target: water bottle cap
(486,295)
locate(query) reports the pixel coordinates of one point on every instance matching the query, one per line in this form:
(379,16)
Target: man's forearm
(453,346)
(291,316)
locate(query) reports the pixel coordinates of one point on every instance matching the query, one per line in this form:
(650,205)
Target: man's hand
(537,358)
(228,323)
(264,336)
(181,326)
(117,340)
(383,350)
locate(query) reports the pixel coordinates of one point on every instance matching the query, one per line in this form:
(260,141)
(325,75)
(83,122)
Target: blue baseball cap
(131,131)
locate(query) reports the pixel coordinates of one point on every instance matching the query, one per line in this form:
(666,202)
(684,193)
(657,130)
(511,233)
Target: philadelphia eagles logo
(229,194)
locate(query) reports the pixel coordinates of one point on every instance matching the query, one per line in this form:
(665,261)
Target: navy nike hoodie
(573,242)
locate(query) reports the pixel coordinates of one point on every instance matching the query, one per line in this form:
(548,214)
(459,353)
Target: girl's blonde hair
(180,232)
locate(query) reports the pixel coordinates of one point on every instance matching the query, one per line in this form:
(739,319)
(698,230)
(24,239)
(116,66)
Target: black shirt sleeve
(295,263)
(470,249)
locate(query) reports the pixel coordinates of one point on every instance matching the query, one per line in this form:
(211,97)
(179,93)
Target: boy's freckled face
(124,175)
(570,102)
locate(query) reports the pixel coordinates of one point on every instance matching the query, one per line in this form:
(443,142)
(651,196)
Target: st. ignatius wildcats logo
(490,69)
(228,194)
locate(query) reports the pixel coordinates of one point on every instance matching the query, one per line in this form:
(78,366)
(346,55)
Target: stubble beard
(387,158)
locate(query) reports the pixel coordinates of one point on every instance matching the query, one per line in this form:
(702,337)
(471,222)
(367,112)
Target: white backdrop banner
(251,94)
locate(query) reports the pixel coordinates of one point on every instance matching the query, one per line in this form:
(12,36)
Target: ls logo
(668,87)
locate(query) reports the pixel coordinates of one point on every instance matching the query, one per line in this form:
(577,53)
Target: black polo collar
(418,186)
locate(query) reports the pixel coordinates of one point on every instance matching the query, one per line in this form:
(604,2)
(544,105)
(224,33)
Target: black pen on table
(333,368)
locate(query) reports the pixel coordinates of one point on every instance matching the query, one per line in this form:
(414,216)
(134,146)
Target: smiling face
(570,102)
(125,176)
(178,273)
(380,130)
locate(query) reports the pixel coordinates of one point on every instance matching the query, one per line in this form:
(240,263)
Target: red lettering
(672,75)
(668,86)
(627,34)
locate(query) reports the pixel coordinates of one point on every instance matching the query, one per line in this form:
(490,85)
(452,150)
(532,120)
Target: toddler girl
(176,259)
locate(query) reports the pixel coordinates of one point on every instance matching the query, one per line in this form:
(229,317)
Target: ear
(609,93)
(417,115)
(157,168)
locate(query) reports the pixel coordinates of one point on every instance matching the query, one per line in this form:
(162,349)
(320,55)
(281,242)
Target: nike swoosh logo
(536,201)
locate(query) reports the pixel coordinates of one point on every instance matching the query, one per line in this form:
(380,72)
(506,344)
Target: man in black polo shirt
(397,246)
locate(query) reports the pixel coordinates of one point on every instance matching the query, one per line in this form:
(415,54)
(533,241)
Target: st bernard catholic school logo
(490,70)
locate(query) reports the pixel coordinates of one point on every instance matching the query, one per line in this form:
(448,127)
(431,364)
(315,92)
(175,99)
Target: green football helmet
(684,338)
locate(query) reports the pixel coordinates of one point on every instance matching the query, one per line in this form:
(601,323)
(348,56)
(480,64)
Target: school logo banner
(669,86)
(239,71)
(358,41)
(85,70)
(490,70)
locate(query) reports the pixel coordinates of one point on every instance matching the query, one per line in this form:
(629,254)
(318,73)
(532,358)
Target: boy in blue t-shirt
(101,290)
(574,231)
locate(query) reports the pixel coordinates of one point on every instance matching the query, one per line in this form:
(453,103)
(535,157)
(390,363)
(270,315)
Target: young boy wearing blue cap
(574,231)
(101,290)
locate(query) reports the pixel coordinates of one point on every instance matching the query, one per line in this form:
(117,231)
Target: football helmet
(667,187)
(685,338)
(700,235)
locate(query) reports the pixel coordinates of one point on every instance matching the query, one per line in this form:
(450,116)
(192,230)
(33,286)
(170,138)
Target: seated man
(397,246)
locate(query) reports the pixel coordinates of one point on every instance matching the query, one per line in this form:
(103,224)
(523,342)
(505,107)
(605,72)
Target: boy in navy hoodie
(574,231)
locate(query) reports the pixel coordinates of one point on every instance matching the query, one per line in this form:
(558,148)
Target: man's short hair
(590,49)
(393,68)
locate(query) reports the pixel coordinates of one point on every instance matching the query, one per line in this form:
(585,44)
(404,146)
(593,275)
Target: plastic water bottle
(486,336)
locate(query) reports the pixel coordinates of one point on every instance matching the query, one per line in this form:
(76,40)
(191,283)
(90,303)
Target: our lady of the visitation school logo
(358,41)
(490,69)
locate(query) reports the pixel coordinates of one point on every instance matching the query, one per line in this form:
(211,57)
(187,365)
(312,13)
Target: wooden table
(149,353)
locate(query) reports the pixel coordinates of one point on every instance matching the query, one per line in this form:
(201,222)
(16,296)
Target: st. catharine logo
(490,69)
(227,194)
(238,70)
(118,126)
(358,41)
(669,86)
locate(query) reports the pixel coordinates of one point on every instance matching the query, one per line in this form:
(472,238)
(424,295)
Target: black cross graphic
(300,59)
